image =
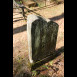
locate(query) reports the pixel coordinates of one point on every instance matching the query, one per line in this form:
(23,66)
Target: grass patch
(19,2)
(50,63)
(34,73)
(45,66)
(41,4)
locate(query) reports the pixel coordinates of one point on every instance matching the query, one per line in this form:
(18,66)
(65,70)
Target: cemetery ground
(53,68)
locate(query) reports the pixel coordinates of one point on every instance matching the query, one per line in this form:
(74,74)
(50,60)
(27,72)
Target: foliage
(19,2)
(41,4)
(45,66)
(50,63)
(34,73)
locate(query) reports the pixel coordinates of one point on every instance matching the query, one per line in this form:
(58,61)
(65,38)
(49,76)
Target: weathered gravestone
(42,36)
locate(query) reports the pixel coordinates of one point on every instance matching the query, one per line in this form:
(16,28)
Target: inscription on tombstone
(42,37)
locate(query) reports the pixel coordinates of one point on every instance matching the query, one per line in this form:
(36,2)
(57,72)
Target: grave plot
(21,55)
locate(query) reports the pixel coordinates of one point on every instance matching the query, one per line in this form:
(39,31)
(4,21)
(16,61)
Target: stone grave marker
(42,37)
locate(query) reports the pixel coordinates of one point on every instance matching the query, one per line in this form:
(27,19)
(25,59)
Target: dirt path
(20,47)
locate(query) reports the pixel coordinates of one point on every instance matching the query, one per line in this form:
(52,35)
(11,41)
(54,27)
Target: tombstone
(42,37)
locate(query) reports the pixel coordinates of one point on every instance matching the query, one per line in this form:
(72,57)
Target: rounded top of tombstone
(32,17)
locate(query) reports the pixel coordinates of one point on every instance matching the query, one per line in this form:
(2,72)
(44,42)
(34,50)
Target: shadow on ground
(20,29)
(44,7)
(22,74)
(18,20)
(57,17)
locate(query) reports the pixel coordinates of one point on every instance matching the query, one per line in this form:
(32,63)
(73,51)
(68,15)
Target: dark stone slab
(42,37)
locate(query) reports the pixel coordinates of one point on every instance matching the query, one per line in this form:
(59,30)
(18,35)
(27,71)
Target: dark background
(10,39)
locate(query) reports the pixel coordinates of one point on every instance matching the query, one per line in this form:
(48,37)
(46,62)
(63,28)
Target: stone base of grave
(30,3)
(41,62)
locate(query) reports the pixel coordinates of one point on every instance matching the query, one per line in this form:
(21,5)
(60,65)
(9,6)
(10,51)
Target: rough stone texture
(42,36)
(29,3)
